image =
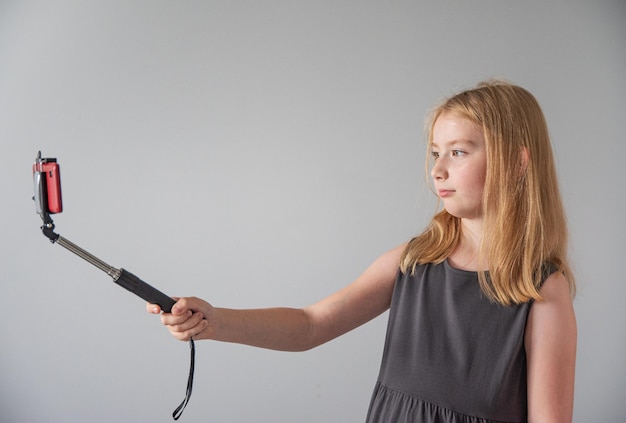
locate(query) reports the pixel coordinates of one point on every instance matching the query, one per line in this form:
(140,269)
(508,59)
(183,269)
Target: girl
(481,324)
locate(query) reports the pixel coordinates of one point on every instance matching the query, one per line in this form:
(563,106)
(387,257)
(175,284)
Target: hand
(188,318)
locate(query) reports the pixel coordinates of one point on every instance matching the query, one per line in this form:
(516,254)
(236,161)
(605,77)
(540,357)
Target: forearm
(284,329)
(288,329)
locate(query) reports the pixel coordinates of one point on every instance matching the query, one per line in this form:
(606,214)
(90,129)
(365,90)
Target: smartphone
(47,185)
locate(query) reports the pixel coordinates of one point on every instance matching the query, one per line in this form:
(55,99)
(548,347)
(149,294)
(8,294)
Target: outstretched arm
(550,342)
(290,329)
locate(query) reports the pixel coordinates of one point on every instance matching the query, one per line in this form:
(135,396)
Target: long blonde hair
(524,227)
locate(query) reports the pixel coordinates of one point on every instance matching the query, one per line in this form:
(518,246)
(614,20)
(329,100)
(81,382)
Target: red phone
(47,180)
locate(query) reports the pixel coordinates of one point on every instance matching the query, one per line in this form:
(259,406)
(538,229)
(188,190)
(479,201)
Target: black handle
(144,290)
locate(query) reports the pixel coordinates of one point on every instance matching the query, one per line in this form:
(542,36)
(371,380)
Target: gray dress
(451,355)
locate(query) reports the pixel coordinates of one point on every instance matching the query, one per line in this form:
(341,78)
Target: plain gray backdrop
(263,153)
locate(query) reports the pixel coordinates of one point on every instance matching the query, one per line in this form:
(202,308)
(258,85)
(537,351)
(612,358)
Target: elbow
(314,332)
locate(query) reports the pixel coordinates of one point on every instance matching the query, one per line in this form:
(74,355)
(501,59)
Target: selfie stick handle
(121,277)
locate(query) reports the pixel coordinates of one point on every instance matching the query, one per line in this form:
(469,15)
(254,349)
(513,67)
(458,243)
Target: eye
(434,154)
(457,153)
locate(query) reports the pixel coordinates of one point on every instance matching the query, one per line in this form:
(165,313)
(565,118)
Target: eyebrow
(452,143)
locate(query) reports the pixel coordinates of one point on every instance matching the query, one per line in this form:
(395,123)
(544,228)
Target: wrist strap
(179,410)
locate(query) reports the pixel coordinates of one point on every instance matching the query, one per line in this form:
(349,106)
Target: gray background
(263,153)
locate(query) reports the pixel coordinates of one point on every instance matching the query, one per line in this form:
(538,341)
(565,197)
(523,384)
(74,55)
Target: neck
(465,254)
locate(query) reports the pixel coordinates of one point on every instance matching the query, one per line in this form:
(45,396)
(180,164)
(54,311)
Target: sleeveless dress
(451,355)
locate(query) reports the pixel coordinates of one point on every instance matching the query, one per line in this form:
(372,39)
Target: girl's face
(460,165)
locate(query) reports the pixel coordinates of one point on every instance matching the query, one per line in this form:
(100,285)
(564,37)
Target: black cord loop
(179,410)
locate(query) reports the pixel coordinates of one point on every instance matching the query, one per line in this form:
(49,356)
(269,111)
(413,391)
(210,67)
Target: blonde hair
(524,224)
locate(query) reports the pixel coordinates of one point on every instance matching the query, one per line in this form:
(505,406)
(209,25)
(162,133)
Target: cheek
(475,180)
(481,174)
(474,176)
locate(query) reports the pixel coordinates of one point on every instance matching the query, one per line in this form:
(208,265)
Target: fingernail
(155,310)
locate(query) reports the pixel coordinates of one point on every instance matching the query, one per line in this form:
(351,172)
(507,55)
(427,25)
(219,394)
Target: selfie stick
(120,276)
(46,178)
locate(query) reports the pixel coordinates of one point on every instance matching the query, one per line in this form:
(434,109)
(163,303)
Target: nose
(439,171)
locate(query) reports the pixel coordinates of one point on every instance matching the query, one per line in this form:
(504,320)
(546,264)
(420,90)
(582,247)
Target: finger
(153,308)
(171,319)
(193,332)
(181,306)
(186,325)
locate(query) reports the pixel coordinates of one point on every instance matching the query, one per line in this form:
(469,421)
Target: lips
(445,192)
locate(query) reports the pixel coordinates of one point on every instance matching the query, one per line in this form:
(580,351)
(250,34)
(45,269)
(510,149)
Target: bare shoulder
(378,279)
(553,315)
(550,342)
(389,262)
(556,288)
(551,318)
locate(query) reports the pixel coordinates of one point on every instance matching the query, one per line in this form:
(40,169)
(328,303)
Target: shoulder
(391,259)
(381,274)
(555,308)
(385,268)
(555,292)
